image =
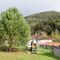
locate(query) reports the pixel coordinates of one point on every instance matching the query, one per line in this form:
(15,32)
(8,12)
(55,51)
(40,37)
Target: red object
(52,44)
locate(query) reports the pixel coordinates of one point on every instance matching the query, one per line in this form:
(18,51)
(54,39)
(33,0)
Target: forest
(48,22)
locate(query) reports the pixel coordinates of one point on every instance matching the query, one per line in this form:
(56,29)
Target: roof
(36,36)
(51,44)
(40,37)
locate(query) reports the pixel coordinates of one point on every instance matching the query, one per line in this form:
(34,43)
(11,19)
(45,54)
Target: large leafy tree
(14,30)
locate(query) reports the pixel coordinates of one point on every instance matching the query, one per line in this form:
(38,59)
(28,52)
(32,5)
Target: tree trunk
(10,44)
(10,48)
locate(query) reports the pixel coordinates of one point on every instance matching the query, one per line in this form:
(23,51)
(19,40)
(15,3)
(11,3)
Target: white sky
(31,6)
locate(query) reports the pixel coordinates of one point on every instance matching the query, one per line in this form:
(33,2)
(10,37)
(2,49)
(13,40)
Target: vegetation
(46,21)
(43,55)
(14,30)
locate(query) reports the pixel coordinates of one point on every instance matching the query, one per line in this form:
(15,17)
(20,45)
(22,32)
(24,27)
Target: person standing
(29,46)
(34,46)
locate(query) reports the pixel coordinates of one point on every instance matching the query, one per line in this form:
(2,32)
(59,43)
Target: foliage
(14,30)
(56,36)
(43,54)
(46,21)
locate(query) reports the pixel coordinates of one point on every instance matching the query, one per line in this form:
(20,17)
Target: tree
(15,28)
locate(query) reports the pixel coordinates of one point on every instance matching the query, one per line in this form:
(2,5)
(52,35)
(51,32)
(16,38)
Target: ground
(27,56)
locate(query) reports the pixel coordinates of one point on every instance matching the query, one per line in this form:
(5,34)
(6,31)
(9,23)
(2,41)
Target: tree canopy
(45,21)
(14,30)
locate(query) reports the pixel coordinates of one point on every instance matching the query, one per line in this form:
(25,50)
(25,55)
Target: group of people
(31,45)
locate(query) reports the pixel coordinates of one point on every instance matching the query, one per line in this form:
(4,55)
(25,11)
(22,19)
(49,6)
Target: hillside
(44,15)
(50,20)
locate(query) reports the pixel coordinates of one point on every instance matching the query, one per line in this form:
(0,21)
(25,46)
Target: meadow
(43,54)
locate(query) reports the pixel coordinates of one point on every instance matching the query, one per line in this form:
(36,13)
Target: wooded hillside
(45,21)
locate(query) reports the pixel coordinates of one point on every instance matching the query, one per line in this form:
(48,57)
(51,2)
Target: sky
(28,7)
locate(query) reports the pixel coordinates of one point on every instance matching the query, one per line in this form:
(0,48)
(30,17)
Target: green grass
(42,55)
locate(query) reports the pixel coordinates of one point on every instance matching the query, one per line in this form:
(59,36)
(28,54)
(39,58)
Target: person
(29,46)
(34,45)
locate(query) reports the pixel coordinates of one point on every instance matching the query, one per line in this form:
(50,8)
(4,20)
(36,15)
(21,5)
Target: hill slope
(47,17)
(44,15)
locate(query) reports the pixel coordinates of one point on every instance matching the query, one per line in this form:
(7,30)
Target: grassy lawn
(43,55)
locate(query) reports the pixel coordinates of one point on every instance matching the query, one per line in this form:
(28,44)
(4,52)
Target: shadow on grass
(49,55)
